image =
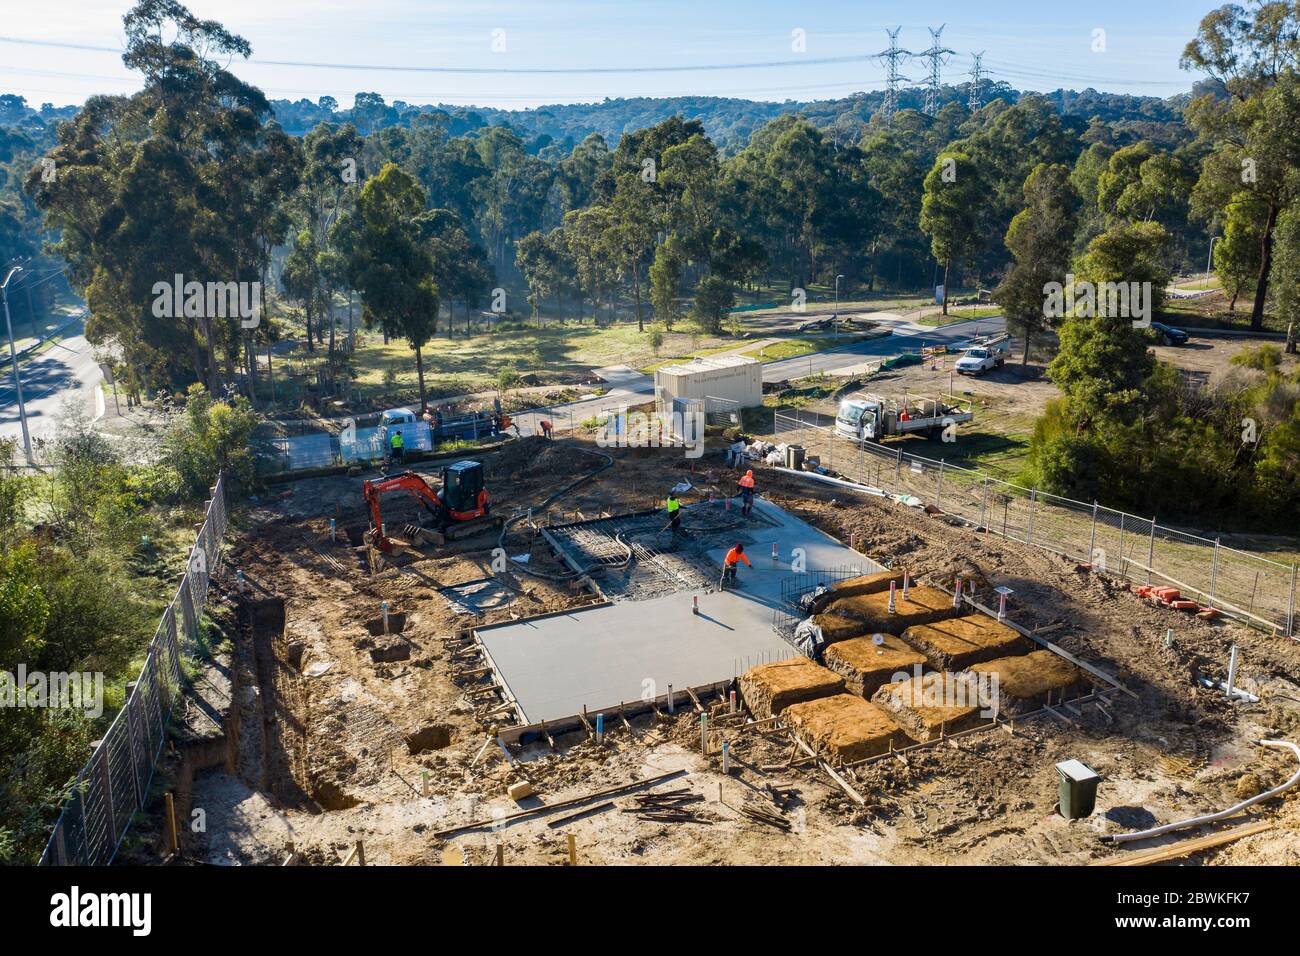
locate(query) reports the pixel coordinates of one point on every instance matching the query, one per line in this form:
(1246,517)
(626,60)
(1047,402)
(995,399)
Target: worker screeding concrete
(729,563)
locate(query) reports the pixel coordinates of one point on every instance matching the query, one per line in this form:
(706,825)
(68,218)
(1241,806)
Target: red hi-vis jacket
(734,557)
(747,481)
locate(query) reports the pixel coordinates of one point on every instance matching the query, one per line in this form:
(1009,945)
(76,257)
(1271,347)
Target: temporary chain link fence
(307,448)
(1247,586)
(115,782)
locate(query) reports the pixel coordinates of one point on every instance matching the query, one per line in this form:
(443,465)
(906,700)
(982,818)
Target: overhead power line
(491,70)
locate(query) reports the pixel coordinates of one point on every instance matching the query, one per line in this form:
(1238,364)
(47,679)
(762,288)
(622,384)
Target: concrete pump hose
(1212,817)
(505,528)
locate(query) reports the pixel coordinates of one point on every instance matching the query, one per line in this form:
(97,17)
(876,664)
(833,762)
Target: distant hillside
(729,122)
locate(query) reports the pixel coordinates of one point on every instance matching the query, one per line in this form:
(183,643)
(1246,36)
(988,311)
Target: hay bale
(845,727)
(852,587)
(923,605)
(959,642)
(1024,683)
(934,703)
(867,666)
(769,689)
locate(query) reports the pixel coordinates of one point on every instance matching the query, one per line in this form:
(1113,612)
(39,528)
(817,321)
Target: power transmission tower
(890,58)
(976,74)
(935,55)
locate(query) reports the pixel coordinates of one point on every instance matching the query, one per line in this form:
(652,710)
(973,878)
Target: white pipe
(1232,670)
(1212,817)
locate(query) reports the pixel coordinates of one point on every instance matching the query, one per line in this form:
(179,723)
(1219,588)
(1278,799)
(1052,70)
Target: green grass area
(559,352)
(697,353)
(960,314)
(796,346)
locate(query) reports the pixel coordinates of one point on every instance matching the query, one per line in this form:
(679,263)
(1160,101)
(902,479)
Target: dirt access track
(342,733)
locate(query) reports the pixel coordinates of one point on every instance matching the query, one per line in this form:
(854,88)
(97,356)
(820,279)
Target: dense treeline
(1127,429)
(415,219)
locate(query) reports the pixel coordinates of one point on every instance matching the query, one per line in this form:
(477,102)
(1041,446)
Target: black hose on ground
(505,528)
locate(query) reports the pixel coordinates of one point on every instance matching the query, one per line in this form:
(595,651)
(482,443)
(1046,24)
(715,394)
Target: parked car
(1169,335)
(984,354)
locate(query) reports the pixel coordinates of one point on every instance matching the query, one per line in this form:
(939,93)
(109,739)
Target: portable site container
(732,378)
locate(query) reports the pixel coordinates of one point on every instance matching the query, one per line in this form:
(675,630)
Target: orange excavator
(460,509)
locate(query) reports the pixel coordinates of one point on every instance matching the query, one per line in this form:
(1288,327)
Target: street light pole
(835,320)
(13,361)
(1209,259)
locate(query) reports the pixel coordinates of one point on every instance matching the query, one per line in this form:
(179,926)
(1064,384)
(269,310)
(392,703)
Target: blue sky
(1031,45)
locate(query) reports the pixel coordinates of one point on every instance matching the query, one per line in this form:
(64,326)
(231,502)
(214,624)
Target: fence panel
(115,781)
(1249,586)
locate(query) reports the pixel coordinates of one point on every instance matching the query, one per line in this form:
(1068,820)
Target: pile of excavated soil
(852,587)
(923,605)
(769,689)
(867,665)
(845,727)
(959,642)
(837,627)
(1026,683)
(932,705)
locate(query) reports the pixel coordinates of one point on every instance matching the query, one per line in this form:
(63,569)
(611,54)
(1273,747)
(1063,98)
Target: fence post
(1029,525)
(1151,550)
(1290,607)
(938,496)
(1214,572)
(1123,564)
(132,746)
(1092,543)
(106,786)
(898,468)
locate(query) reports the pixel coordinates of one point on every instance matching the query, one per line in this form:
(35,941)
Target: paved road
(906,337)
(68,370)
(65,372)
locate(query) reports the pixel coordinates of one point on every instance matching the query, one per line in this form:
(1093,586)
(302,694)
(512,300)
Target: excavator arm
(408,481)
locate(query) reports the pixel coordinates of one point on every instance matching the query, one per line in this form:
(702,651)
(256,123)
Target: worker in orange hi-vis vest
(746,484)
(729,564)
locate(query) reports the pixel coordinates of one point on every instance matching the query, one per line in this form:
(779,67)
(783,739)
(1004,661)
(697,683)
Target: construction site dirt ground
(333,747)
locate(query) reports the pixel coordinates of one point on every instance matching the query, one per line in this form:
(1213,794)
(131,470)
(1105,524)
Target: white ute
(984,353)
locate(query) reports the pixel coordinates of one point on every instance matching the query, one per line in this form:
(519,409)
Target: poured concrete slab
(629,651)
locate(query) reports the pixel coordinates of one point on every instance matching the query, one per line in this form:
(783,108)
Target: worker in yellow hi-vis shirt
(674,513)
